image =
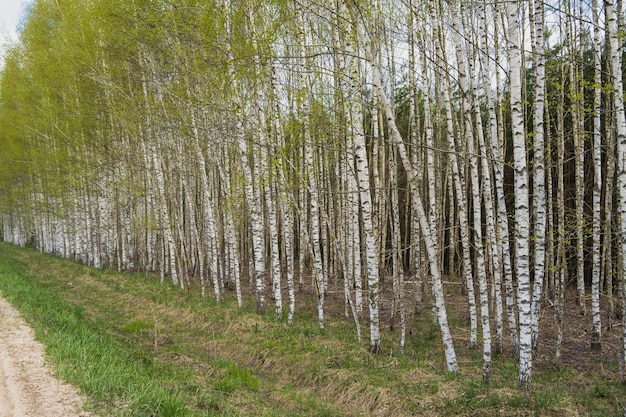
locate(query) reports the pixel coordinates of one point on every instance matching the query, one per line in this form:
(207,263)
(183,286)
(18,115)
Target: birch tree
(597,179)
(465,71)
(522,266)
(398,141)
(538,166)
(620,122)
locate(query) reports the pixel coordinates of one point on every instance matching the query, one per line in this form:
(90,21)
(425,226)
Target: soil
(27,387)
(576,352)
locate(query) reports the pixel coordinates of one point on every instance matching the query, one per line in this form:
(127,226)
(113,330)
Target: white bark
(311,180)
(522,215)
(596,333)
(620,122)
(494,235)
(397,140)
(539,188)
(467,92)
(357,134)
(459,189)
(169,245)
(577,131)
(562,255)
(250,167)
(269,191)
(431,178)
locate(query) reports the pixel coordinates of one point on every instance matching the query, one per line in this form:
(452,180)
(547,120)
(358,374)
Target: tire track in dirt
(27,387)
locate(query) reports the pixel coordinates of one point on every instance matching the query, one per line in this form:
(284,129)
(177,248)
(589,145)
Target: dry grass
(222,352)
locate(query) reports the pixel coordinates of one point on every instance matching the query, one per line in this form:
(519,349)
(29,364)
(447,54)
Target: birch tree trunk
(559,310)
(497,154)
(620,122)
(430,165)
(459,191)
(522,215)
(494,236)
(539,188)
(355,130)
(465,67)
(596,333)
(256,221)
(398,141)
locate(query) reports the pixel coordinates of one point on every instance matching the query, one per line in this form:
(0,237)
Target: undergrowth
(135,347)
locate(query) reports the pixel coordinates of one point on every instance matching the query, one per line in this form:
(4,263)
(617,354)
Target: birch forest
(384,153)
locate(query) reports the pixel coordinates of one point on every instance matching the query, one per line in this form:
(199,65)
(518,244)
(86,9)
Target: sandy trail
(27,387)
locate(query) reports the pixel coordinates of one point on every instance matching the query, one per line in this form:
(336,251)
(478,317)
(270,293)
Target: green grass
(135,347)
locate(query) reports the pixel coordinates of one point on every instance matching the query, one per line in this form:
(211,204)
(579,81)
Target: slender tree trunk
(596,333)
(539,188)
(461,198)
(397,140)
(371,258)
(465,70)
(522,215)
(560,199)
(497,154)
(494,236)
(620,123)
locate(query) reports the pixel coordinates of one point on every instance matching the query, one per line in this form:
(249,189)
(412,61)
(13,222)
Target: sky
(10,13)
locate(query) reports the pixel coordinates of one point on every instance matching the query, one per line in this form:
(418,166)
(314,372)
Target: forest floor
(27,386)
(136,347)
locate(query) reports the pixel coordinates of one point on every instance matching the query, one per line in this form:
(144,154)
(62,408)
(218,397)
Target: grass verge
(135,347)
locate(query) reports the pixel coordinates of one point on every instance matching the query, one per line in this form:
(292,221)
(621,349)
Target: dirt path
(27,387)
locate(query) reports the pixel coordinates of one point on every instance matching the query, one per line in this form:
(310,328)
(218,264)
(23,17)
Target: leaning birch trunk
(522,215)
(620,122)
(397,140)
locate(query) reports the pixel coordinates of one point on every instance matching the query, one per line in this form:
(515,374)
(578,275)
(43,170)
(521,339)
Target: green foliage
(137,326)
(235,378)
(96,90)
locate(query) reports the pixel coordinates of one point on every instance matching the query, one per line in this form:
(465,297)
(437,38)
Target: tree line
(267,146)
